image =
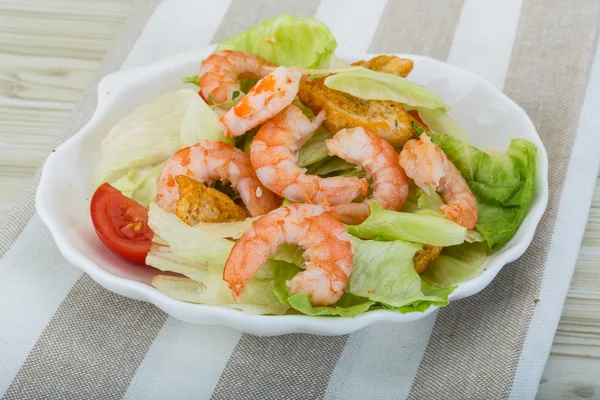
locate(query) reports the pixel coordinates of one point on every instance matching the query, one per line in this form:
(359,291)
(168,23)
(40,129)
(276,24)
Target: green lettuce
(331,165)
(426,227)
(287,40)
(503,185)
(456,264)
(366,84)
(314,150)
(348,306)
(384,272)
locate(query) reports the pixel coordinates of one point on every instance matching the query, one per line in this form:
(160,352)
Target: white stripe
(352,22)
(572,215)
(184,362)
(380,362)
(177,26)
(34,280)
(484,38)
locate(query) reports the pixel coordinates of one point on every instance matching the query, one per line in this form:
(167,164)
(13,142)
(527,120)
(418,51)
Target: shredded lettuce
(366,84)
(456,264)
(503,185)
(287,40)
(426,227)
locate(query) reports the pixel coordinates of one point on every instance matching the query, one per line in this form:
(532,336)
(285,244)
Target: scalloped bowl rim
(258,324)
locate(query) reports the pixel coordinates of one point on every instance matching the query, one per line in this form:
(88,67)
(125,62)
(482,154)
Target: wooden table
(48,51)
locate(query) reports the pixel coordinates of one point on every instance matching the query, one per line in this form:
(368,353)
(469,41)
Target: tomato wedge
(121,224)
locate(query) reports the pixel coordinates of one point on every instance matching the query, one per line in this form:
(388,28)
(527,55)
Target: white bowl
(65,189)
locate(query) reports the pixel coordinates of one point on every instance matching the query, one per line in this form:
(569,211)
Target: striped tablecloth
(63,336)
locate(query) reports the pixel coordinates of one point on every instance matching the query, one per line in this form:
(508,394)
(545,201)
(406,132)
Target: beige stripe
(90,349)
(95,341)
(417,27)
(243,14)
(475,345)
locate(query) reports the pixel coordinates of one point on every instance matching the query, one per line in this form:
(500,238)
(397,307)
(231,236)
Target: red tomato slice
(121,224)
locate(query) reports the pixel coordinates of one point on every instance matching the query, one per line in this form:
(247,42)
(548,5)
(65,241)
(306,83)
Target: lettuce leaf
(427,227)
(348,306)
(384,272)
(200,122)
(149,135)
(439,121)
(287,40)
(330,165)
(366,84)
(456,264)
(503,185)
(189,244)
(140,184)
(258,298)
(144,140)
(314,150)
(200,253)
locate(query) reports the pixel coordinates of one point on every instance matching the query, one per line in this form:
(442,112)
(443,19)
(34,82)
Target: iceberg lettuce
(199,253)
(287,40)
(135,149)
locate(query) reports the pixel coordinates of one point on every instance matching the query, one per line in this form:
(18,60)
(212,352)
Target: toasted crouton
(198,203)
(425,256)
(388,64)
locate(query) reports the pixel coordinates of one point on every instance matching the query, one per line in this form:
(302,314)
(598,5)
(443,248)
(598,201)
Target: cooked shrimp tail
(326,244)
(429,167)
(380,162)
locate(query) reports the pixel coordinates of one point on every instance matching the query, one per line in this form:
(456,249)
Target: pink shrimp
(268,97)
(212,160)
(380,161)
(326,244)
(219,74)
(273,156)
(428,166)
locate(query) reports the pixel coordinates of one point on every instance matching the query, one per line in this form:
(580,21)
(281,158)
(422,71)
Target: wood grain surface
(48,51)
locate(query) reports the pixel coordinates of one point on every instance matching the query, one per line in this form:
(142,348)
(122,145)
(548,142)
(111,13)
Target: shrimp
(212,160)
(326,244)
(268,97)
(380,161)
(273,156)
(219,74)
(428,166)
